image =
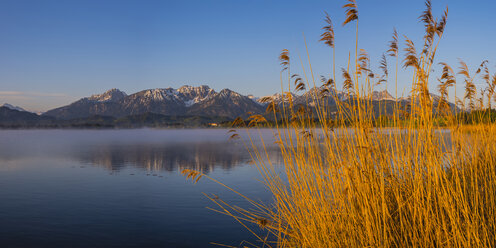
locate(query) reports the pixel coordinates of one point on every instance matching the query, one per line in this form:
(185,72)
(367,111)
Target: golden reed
(358,175)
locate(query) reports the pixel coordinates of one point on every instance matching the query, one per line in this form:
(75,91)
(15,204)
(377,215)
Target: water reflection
(166,157)
(55,193)
(151,150)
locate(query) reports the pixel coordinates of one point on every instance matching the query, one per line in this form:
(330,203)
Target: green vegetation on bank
(23,120)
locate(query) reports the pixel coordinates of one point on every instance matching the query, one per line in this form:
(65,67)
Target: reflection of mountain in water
(167,157)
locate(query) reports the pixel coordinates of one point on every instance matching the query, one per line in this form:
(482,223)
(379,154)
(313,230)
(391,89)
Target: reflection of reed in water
(167,157)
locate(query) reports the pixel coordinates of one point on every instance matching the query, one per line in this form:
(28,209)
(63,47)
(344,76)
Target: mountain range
(168,106)
(187,100)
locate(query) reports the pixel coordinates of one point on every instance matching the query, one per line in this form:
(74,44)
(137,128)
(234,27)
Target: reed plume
(298,82)
(363,62)
(351,12)
(411,59)
(393,52)
(463,69)
(430,26)
(284,59)
(383,65)
(489,86)
(328,36)
(328,85)
(393,45)
(327,82)
(348,82)
(470,88)
(442,24)
(447,80)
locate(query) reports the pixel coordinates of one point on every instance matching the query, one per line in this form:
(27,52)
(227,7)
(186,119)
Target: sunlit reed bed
(353,184)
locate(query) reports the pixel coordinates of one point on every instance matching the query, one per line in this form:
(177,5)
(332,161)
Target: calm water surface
(120,188)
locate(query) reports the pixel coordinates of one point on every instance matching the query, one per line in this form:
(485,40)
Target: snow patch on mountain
(111,95)
(159,95)
(9,106)
(382,95)
(191,95)
(255,99)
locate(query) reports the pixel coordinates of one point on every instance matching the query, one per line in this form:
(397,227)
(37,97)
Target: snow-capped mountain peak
(382,95)
(191,95)
(108,96)
(199,90)
(228,93)
(186,100)
(9,106)
(159,95)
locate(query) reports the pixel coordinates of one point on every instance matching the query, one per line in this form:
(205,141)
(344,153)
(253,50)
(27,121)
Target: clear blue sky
(53,52)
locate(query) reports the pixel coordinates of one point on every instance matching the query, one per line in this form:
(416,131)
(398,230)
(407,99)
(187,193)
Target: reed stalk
(350,181)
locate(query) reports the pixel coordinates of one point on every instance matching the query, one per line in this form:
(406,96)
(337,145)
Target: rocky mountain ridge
(12,107)
(186,100)
(192,101)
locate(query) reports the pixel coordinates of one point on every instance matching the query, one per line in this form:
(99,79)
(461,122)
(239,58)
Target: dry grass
(351,183)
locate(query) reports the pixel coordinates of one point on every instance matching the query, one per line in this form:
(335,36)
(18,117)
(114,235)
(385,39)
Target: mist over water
(121,188)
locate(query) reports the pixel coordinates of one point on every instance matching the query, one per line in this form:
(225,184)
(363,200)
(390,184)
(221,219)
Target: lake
(121,188)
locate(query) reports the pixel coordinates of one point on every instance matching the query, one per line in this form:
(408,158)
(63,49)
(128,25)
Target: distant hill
(15,118)
(20,119)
